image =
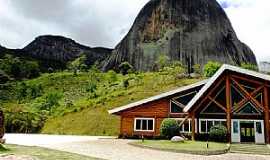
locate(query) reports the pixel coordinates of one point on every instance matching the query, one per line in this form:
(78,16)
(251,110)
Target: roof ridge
(157,97)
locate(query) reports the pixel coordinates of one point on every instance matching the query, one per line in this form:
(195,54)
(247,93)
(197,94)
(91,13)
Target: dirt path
(113,149)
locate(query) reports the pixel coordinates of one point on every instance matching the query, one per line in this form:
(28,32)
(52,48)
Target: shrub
(78,64)
(19,119)
(197,68)
(249,66)
(162,61)
(3,77)
(126,83)
(112,76)
(218,133)
(169,128)
(19,68)
(211,68)
(125,68)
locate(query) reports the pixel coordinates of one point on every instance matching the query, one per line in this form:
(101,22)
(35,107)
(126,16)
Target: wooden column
(266,115)
(121,125)
(193,125)
(228,106)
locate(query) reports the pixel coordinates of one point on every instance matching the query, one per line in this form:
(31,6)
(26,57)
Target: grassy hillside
(61,103)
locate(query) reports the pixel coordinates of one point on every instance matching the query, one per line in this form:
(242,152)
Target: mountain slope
(61,49)
(191,31)
(56,51)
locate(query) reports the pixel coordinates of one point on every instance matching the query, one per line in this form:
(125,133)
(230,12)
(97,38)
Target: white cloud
(251,21)
(93,23)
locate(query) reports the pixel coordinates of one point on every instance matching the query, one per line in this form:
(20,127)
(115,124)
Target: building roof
(154,98)
(217,75)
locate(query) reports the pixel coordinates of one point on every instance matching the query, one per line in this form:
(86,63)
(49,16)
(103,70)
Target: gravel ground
(113,149)
(16,158)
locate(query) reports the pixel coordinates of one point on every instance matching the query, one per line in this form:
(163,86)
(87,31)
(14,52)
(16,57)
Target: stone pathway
(114,149)
(17,158)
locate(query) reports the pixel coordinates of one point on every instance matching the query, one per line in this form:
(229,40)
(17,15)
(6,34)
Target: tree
(126,83)
(197,68)
(249,66)
(3,77)
(125,67)
(211,68)
(51,100)
(21,91)
(19,68)
(78,64)
(112,76)
(30,69)
(162,61)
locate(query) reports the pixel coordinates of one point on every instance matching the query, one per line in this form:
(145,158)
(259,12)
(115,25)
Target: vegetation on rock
(61,103)
(211,68)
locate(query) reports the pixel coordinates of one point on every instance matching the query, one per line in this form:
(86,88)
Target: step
(250,149)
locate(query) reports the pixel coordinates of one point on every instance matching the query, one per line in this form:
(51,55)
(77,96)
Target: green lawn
(41,153)
(193,147)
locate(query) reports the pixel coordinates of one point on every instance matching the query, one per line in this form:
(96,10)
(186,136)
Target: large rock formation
(62,50)
(2,51)
(192,31)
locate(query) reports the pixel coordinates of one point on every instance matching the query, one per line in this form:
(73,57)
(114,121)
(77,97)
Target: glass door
(247,132)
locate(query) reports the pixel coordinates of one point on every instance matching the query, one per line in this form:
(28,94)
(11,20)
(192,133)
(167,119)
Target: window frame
(141,126)
(182,128)
(206,123)
(177,106)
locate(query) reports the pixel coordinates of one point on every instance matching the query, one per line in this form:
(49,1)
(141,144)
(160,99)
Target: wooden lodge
(234,97)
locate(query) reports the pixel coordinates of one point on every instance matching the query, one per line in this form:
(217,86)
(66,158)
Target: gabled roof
(217,75)
(158,97)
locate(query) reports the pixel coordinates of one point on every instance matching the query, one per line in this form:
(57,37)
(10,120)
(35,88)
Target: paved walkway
(113,149)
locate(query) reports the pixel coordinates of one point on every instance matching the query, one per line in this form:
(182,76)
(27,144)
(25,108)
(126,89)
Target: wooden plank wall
(158,110)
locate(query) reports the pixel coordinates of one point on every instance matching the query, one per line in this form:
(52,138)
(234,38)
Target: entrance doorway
(247,132)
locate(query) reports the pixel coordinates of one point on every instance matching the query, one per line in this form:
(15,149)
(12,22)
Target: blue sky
(104,23)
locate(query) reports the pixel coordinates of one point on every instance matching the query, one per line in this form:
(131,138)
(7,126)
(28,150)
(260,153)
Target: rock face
(62,50)
(2,51)
(191,31)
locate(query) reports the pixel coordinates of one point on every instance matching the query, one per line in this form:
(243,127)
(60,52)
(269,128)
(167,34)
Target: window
(209,125)
(249,108)
(185,99)
(203,127)
(206,124)
(235,127)
(175,108)
(259,127)
(187,126)
(144,124)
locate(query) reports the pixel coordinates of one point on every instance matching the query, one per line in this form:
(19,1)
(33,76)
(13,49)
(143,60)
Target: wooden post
(193,126)
(266,115)
(121,125)
(228,105)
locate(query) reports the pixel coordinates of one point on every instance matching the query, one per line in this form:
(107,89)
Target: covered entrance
(247,132)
